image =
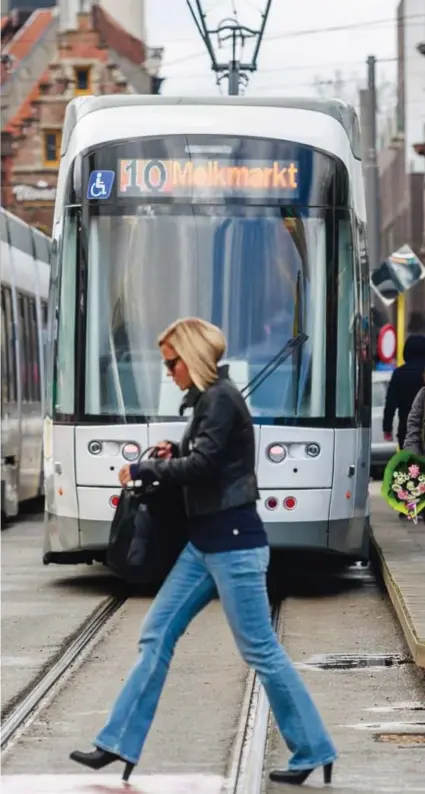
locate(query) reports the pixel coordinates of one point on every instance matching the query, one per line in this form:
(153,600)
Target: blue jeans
(240,578)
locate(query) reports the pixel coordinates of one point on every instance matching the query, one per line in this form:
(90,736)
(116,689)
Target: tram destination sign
(214,177)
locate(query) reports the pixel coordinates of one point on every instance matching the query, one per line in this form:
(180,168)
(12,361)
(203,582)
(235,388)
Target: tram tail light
(290,503)
(131,451)
(114,500)
(271,503)
(276,453)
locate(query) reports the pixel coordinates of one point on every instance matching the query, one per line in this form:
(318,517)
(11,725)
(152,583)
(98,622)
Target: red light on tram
(271,503)
(114,500)
(290,503)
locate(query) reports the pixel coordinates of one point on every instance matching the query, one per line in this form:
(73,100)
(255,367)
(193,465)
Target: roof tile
(28,35)
(117,38)
(26,109)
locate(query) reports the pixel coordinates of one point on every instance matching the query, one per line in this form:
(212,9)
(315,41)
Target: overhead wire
(317,31)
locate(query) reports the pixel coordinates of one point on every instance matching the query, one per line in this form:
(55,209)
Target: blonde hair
(199,344)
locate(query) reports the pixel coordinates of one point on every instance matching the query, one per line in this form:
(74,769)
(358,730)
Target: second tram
(251,214)
(25,255)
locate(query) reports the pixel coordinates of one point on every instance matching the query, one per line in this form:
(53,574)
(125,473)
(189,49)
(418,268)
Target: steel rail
(33,702)
(245,773)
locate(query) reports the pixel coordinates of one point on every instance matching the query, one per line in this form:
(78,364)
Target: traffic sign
(399,273)
(386,343)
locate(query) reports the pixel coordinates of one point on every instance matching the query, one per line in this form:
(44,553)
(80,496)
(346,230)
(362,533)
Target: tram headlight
(95,447)
(313,450)
(131,451)
(276,453)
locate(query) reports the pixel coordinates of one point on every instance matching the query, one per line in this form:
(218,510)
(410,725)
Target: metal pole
(234,78)
(374,215)
(234,70)
(401,327)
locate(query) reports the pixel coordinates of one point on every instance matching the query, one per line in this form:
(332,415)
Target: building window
(52,142)
(82,80)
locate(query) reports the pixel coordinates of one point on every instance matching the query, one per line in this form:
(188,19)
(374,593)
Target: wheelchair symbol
(98,189)
(100,184)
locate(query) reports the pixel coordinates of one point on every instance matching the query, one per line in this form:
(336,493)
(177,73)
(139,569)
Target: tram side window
(25,348)
(6,298)
(345,376)
(4,354)
(65,356)
(35,358)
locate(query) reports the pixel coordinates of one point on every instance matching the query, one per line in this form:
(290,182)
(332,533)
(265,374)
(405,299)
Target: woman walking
(228,551)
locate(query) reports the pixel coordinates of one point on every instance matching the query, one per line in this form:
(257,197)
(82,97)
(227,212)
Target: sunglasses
(170,363)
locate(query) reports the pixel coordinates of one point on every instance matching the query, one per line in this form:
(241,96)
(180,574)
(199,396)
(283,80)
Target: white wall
(129,13)
(414,81)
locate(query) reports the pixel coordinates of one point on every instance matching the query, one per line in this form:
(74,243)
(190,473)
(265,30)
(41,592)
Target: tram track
(32,702)
(246,769)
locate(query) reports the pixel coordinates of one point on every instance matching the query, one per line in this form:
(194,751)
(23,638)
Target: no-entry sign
(387,343)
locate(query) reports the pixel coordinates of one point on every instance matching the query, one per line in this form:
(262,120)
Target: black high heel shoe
(297,777)
(98,758)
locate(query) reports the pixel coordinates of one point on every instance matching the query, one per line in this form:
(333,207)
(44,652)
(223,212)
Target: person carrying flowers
(415,433)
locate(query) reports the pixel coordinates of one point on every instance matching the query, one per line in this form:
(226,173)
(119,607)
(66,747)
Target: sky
(296,50)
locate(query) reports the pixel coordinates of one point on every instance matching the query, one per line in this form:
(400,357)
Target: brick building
(95,56)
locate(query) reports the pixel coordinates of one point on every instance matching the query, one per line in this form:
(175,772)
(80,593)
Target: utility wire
(317,31)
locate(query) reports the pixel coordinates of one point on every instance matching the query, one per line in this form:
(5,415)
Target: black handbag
(148,532)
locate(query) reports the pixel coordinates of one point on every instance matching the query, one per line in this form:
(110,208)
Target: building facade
(93,54)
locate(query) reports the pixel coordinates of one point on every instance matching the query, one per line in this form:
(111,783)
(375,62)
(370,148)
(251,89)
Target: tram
(249,213)
(25,257)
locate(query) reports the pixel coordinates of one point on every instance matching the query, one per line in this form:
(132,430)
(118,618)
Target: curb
(416,645)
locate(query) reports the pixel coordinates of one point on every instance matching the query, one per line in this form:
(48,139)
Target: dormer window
(82,80)
(51,148)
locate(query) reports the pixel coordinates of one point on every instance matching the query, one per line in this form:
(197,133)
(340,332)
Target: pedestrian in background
(404,385)
(416,323)
(415,435)
(228,552)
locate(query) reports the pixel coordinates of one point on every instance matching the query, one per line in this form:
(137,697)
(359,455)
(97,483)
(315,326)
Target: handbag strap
(141,456)
(144,452)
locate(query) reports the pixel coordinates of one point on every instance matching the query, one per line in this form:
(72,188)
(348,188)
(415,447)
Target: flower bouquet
(403,486)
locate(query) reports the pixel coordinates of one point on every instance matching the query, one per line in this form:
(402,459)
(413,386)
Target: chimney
(69,11)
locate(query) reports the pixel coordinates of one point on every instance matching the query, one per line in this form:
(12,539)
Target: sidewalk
(399,547)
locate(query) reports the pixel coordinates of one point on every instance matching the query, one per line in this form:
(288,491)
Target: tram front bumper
(299,519)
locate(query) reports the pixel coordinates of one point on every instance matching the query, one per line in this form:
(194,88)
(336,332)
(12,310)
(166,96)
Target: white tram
(251,214)
(25,256)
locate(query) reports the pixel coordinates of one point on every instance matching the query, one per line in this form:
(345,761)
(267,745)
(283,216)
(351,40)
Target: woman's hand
(164,450)
(124,475)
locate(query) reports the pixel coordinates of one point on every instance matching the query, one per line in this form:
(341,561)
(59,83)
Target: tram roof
(340,111)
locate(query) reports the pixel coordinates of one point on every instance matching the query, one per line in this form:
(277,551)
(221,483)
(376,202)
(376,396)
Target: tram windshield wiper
(293,344)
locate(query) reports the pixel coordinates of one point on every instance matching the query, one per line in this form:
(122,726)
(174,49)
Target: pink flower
(414,470)
(422,487)
(403,494)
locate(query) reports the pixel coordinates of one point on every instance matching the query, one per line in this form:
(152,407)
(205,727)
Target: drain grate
(346,661)
(404,739)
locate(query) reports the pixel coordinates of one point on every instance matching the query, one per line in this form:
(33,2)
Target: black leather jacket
(216,460)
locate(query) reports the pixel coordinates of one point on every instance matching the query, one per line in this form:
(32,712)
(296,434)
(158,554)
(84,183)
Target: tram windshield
(257,274)
(234,230)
